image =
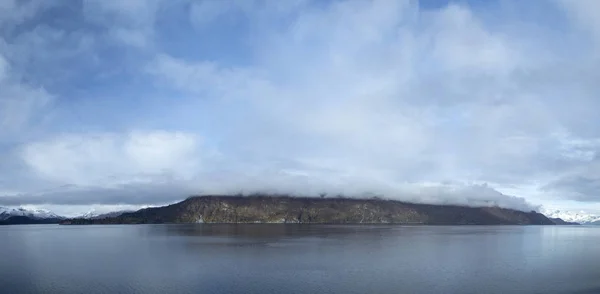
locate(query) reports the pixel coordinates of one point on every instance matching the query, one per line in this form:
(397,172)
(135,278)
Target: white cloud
(357,89)
(107,159)
(13,12)
(130,37)
(354,101)
(461,43)
(205,78)
(350,97)
(585,14)
(130,22)
(393,96)
(204,12)
(21,105)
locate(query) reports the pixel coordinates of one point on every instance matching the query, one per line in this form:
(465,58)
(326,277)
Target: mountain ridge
(559,221)
(96,215)
(579,217)
(287,209)
(6,213)
(25,220)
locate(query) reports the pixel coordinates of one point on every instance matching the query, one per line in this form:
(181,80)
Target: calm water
(298,259)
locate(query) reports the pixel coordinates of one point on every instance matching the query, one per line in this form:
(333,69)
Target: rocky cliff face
(281,209)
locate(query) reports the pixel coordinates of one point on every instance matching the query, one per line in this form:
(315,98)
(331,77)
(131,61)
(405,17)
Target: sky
(112,105)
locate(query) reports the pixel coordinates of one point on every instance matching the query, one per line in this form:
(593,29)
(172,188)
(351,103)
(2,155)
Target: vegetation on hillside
(286,209)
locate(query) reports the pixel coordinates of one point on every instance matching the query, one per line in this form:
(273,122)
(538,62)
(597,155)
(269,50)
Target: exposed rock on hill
(283,209)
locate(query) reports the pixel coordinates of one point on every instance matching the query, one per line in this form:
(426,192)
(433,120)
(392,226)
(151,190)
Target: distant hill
(26,220)
(559,221)
(6,213)
(95,215)
(284,209)
(579,217)
(22,216)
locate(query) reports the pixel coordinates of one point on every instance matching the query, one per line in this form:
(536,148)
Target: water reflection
(268,230)
(224,258)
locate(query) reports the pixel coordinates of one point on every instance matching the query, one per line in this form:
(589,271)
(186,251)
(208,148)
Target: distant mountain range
(22,216)
(284,209)
(6,213)
(96,215)
(215,209)
(19,216)
(573,216)
(559,221)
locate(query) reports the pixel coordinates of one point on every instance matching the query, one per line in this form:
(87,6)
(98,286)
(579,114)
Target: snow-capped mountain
(573,216)
(5,213)
(92,214)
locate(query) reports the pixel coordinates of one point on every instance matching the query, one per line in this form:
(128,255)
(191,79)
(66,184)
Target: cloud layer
(146,102)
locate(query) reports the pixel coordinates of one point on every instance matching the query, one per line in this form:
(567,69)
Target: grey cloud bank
(159,194)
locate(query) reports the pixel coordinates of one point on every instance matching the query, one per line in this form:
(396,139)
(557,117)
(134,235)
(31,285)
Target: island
(317,210)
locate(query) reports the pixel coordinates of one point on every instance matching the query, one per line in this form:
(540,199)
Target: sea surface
(276,258)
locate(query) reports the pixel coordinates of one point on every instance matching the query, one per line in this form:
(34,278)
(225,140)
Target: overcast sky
(118,104)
